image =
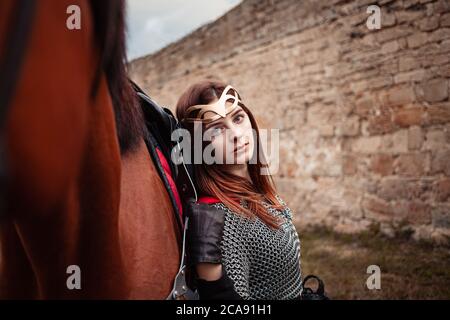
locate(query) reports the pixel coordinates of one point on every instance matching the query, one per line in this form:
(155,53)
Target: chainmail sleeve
(235,254)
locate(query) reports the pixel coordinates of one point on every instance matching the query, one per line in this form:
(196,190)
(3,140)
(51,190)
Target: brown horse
(82,188)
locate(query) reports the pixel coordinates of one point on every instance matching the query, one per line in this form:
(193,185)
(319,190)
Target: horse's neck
(149,234)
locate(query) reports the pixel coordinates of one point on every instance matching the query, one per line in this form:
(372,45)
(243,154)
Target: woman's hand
(209,271)
(214,283)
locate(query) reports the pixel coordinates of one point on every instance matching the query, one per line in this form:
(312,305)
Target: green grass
(409,269)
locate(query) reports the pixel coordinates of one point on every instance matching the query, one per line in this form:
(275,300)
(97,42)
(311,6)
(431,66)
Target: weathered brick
(408,63)
(388,20)
(435,139)
(415,138)
(406,188)
(348,127)
(445,20)
(440,162)
(381,122)
(390,47)
(442,189)
(444,70)
(409,117)
(382,164)
(381,82)
(363,106)
(398,96)
(415,75)
(326,129)
(438,114)
(408,15)
(393,33)
(392,188)
(349,165)
(411,164)
(441,6)
(429,23)
(435,90)
(440,35)
(415,212)
(396,142)
(441,59)
(378,209)
(367,144)
(445,45)
(407,4)
(292,118)
(290,169)
(417,40)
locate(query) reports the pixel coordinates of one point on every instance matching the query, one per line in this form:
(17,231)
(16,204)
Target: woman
(241,240)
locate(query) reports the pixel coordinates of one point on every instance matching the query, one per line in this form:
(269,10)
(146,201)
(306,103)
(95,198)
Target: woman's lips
(240,148)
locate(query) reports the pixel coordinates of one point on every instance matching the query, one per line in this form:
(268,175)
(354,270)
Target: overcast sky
(153,24)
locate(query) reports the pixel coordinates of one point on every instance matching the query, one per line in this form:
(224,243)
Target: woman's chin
(242,159)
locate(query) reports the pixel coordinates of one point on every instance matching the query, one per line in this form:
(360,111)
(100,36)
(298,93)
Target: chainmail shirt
(262,262)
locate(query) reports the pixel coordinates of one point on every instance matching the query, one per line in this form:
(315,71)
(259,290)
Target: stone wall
(364,115)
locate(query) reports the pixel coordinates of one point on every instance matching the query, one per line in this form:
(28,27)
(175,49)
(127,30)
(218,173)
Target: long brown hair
(225,186)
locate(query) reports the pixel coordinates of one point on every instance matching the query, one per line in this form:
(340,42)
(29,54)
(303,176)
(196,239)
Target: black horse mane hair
(110,28)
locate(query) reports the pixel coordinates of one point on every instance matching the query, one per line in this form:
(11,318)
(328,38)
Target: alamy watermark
(374,20)
(73,22)
(73,281)
(191,150)
(373,282)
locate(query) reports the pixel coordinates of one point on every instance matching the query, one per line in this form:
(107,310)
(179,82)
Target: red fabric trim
(208,200)
(172,184)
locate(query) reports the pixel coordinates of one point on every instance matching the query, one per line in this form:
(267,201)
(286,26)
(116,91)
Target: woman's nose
(235,134)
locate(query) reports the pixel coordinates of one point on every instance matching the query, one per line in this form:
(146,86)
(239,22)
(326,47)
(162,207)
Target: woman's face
(232,137)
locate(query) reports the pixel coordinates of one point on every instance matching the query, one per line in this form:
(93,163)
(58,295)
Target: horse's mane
(109,22)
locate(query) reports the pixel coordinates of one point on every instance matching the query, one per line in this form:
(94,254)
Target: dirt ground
(409,270)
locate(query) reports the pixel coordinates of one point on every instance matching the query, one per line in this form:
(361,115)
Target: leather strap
(180,290)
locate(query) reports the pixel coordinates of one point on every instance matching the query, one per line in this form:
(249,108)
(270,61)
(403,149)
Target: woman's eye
(239,118)
(216,131)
